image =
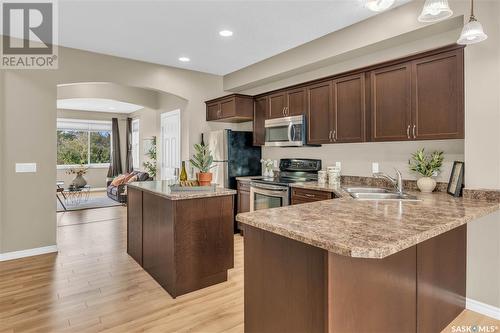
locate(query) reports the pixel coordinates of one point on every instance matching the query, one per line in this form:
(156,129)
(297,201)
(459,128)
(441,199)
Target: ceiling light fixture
(435,10)
(226,33)
(184,59)
(472,32)
(378,5)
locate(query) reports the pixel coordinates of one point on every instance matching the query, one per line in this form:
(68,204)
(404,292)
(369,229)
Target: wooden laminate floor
(92,285)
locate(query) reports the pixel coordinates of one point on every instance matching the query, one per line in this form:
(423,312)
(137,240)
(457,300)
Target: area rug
(92,202)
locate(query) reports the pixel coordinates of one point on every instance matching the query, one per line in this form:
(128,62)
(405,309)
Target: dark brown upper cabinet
(391,103)
(319,113)
(438,103)
(232,109)
(287,103)
(336,110)
(422,99)
(259,116)
(349,108)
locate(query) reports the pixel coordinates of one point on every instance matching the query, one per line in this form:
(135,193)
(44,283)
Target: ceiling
(97,105)
(162,31)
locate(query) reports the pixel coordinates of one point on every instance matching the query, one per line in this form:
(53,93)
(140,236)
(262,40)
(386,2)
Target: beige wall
(144,97)
(391,35)
(30,131)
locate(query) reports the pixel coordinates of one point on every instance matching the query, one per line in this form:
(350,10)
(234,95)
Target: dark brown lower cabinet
(186,244)
(134,224)
(294,287)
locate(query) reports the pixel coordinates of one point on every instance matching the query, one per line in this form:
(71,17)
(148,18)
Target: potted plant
(79,171)
(427,166)
(203,161)
(150,165)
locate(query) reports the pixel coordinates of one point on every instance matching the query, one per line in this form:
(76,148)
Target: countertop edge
(371,253)
(198,195)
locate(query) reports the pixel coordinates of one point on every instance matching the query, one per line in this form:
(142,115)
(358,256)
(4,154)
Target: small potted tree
(203,161)
(427,166)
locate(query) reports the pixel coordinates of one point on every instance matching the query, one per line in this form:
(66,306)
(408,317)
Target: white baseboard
(482,308)
(27,253)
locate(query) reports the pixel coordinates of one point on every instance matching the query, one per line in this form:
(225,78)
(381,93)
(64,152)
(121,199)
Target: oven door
(285,132)
(264,196)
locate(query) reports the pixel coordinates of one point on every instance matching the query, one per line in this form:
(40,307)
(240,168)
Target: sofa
(118,192)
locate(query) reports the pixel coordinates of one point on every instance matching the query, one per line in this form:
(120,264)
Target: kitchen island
(346,265)
(184,240)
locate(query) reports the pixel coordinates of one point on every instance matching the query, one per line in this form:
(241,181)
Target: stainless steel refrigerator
(234,156)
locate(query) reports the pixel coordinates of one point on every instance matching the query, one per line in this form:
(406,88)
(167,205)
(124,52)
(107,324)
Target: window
(135,144)
(86,142)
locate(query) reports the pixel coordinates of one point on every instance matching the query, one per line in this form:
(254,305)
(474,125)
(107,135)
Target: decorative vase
(204,178)
(426,184)
(79,181)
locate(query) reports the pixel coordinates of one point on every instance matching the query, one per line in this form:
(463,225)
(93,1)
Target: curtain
(129,161)
(115,167)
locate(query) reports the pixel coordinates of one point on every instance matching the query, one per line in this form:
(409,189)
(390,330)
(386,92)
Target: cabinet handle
(283,111)
(287,111)
(334,135)
(414,127)
(309,195)
(408,131)
(330,136)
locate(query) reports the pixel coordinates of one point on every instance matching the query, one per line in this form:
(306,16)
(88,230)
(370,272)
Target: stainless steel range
(275,192)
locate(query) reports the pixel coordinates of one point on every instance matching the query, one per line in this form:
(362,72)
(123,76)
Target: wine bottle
(184,175)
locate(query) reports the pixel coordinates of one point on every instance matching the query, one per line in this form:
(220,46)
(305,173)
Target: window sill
(91,166)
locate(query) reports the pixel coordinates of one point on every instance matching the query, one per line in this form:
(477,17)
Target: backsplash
(356,158)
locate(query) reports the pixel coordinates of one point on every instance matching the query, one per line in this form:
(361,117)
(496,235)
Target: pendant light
(435,10)
(378,5)
(472,32)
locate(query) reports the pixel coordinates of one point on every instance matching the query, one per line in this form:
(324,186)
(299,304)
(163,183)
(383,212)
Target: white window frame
(88,126)
(135,142)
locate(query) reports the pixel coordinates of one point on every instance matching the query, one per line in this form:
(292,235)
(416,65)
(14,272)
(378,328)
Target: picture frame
(456,182)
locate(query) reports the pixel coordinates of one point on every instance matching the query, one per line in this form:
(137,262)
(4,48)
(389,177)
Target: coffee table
(75,195)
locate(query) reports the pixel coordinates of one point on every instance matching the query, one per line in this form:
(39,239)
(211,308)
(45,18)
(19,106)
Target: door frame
(162,153)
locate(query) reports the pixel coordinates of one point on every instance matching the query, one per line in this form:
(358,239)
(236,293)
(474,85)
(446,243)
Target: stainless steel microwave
(285,132)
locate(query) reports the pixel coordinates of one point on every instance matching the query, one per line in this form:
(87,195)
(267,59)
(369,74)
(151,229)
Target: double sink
(376,193)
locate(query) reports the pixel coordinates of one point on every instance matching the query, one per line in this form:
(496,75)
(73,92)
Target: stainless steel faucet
(396,182)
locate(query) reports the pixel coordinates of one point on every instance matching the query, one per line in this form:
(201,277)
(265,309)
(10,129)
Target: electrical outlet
(375,167)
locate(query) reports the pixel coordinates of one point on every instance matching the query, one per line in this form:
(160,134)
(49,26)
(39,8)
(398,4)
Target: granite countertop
(162,188)
(366,228)
(335,189)
(248,178)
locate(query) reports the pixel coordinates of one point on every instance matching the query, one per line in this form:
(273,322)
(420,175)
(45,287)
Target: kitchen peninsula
(184,240)
(346,265)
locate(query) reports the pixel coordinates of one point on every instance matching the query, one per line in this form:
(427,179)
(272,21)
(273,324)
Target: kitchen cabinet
(319,113)
(438,103)
(134,225)
(259,116)
(302,195)
(243,197)
(349,109)
(287,103)
(336,110)
(233,108)
(422,99)
(391,103)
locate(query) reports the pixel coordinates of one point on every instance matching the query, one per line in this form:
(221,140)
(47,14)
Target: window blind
(83,125)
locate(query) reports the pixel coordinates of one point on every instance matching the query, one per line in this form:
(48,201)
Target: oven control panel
(302,165)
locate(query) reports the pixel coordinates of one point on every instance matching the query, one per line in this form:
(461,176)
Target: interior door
(170,144)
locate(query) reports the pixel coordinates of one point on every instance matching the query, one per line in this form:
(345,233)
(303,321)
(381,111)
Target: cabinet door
(213,111)
(243,201)
(319,113)
(259,116)
(277,103)
(438,103)
(349,108)
(391,103)
(296,102)
(134,224)
(227,108)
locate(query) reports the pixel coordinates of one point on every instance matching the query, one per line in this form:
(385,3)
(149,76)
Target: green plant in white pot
(203,161)
(427,166)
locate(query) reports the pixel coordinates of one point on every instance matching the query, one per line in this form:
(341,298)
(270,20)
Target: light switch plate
(374,167)
(25,167)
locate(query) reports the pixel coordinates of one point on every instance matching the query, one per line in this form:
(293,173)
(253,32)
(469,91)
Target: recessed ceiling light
(184,59)
(226,33)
